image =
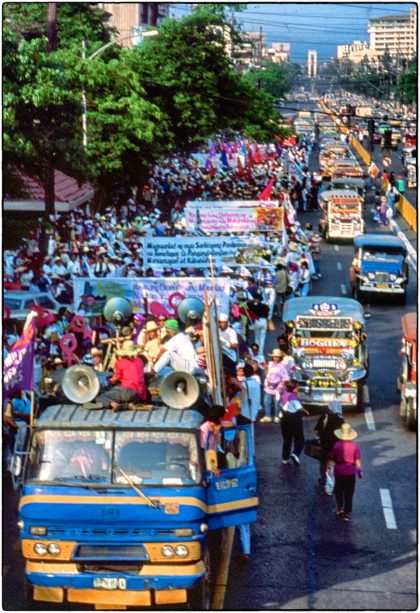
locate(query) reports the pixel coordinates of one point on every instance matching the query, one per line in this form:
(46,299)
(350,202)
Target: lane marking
(343,289)
(387,509)
(222,575)
(370,422)
(366,396)
(339,266)
(337,248)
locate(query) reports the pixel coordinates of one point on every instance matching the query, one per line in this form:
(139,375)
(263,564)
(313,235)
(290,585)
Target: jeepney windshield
(382,254)
(102,457)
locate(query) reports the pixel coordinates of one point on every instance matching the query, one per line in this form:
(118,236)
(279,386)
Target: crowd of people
(259,385)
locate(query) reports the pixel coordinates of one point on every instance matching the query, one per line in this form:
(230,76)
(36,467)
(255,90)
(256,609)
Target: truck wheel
(410,417)
(402,299)
(199,596)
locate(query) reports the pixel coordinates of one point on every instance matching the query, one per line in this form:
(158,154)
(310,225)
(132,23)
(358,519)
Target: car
(19,302)
(383,127)
(379,266)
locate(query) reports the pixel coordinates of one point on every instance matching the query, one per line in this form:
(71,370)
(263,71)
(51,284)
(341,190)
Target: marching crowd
(259,385)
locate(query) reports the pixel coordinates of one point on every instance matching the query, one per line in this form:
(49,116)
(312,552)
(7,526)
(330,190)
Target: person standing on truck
(345,456)
(128,380)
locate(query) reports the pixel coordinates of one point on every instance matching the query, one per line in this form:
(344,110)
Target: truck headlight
(181,551)
(38,530)
(40,549)
(53,549)
(392,277)
(307,364)
(371,276)
(167,551)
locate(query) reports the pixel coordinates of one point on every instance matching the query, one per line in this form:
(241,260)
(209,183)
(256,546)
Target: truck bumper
(155,584)
(390,289)
(321,396)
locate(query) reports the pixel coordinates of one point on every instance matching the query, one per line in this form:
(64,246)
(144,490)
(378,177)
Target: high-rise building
(358,52)
(312,64)
(279,52)
(130,18)
(397,34)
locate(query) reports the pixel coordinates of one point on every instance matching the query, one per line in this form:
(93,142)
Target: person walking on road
(276,376)
(327,423)
(345,456)
(292,424)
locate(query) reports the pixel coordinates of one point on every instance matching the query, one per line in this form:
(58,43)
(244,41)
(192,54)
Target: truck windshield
(382,254)
(96,456)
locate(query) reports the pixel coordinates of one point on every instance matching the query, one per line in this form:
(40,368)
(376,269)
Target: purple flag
(224,160)
(18,371)
(213,149)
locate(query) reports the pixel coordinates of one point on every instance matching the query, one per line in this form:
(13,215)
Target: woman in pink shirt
(345,456)
(276,376)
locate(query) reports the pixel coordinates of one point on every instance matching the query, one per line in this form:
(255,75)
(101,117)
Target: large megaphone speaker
(117,311)
(179,390)
(80,384)
(190,310)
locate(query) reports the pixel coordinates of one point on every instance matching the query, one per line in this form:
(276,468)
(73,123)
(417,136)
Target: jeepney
(327,338)
(352,183)
(379,266)
(348,168)
(115,507)
(407,381)
(342,214)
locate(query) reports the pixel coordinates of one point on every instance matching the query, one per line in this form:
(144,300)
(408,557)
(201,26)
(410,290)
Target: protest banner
(187,252)
(148,295)
(262,217)
(18,368)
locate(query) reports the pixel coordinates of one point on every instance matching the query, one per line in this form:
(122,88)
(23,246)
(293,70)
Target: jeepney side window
(234,445)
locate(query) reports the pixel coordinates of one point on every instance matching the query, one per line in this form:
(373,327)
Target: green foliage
(275,79)
(406,88)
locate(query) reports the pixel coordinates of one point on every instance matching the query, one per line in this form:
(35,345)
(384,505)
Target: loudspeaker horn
(117,311)
(179,390)
(191,310)
(80,384)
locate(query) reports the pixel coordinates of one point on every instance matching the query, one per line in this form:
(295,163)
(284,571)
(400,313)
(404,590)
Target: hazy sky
(320,26)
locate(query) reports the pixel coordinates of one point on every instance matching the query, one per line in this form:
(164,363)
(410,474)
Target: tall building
(252,51)
(312,64)
(398,34)
(279,52)
(358,52)
(130,18)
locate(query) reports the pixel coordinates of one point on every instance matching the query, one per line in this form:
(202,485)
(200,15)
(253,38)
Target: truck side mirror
(16,466)
(211,459)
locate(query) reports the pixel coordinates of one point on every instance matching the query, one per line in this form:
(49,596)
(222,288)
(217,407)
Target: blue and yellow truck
(115,508)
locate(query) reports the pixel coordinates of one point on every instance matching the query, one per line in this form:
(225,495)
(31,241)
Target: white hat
(244,272)
(223,317)
(226,270)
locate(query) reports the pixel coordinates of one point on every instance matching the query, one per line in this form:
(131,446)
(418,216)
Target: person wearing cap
(276,377)
(128,381)
(269,294)
(177,352)
(229,343)
(328,422)
(153,344)
(346,459)
(97,355)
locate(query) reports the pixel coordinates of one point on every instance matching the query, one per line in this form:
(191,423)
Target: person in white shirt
(73,265)
(58,268)
(251,398)
(228,338)
(178,353)
(269,294)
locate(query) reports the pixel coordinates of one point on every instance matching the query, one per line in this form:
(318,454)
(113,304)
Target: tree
(275,79)
(406,87)
(188,74)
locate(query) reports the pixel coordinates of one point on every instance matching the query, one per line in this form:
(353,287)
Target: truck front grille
(323,363)
(382,277)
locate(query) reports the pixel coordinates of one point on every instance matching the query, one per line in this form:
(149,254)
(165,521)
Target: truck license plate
(110,583)
(382,285)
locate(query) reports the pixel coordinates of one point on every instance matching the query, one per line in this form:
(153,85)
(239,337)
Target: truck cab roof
(378,240)
(347,307)
(62,416)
